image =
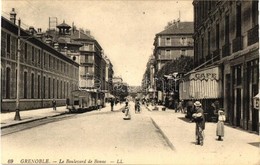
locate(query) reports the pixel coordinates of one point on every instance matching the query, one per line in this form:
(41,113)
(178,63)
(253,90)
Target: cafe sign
(209,74)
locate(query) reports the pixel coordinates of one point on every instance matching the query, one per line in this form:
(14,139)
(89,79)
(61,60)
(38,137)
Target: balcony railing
(226,50)
(86,48)
(252,35)
(237,44)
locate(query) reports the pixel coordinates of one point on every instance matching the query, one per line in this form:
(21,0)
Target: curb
(32,120)
(164,136)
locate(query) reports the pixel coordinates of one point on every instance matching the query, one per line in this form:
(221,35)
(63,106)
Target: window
(25,51)
(183,41)
(44,59)
(49,88)
(202,49)
(168,52)
(32,85)
(217,35)
(208,42)
(33,51)
(53,89)
(8,82)
(238,19)
(226,29)
(57,87)
(39,56)
(44,88)
(238,75)
(8,43)
(39,86)
(54,63)
(254,13)
(25,85)
(49,61)
(183,52)
(168,41)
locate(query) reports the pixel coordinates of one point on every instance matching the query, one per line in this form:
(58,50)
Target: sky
(125,29)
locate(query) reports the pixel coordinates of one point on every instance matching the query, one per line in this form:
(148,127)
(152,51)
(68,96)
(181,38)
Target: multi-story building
(227,59)
(80,46)
(45,74)
(109,72)
(176,40)
(169,45)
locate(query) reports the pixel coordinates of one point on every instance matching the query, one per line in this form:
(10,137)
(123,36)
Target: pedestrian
(112,104)
(67,103)
(127,112)
(190,110)
(180,106)
(99,104)
(213,111)
(200,122)
(220,124)
(54,104)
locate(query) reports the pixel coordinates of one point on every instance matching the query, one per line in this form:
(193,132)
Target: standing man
(200,122)
(54,104)
(112,104)
(99,104)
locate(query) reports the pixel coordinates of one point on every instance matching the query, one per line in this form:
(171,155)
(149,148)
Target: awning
(203,84)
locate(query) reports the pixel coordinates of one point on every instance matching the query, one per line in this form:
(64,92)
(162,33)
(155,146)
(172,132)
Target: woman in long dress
(220,124)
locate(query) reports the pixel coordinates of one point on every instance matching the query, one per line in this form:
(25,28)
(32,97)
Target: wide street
(100,135)
(103,137)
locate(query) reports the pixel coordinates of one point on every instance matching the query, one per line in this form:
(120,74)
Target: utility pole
(17,111)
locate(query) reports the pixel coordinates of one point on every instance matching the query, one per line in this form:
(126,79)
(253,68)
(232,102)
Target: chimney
(31,30)
(13,16)
(87,32)
(39,33)
(48,40)
(177,23)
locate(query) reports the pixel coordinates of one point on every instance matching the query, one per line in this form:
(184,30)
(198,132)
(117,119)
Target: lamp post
(17,110)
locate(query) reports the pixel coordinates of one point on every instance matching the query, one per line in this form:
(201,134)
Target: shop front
(203,85)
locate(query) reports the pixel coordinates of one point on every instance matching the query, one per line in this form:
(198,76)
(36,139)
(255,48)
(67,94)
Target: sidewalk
(238,146)
(7,119)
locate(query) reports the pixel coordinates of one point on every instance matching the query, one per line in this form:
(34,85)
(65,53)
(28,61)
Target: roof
(77,35)
(63,25)
(179,28)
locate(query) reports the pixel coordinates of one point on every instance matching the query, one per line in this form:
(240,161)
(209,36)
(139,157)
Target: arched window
(8,82)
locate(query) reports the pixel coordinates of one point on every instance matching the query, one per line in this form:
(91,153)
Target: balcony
(237,44)
(216,55)
(87,62)
(252,35)
(226,50)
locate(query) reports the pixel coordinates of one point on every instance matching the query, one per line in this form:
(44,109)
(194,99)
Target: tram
(82,101)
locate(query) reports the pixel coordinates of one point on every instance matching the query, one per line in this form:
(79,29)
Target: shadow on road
(256,144)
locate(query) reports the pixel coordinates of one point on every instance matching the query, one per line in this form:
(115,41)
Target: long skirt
(220,129)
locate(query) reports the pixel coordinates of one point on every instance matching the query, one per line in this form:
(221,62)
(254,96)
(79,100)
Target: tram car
(82,101)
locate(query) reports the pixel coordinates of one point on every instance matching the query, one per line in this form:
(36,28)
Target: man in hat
(200,122)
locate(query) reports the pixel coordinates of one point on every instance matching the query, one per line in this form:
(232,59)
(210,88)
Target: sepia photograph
(130,82)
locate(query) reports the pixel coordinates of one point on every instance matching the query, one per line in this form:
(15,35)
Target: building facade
(173,42)
(227,59)
(45,74)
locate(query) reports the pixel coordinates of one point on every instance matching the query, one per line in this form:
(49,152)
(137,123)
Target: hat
(197,103)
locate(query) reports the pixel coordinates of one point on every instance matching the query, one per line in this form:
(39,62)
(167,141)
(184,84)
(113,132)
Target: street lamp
(175,74)
(17,109)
